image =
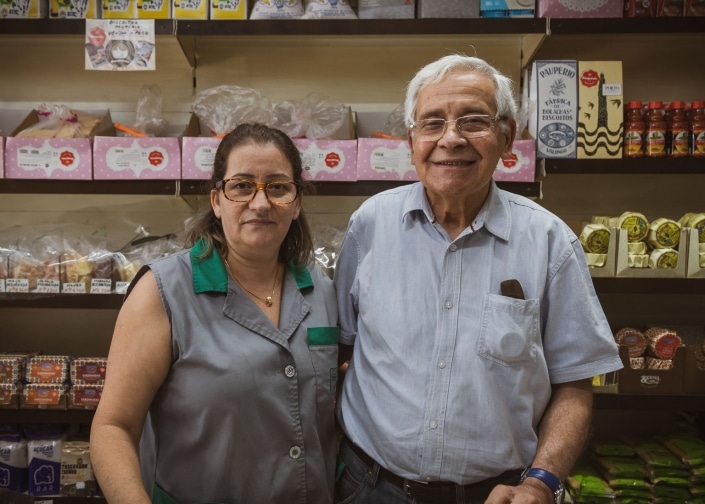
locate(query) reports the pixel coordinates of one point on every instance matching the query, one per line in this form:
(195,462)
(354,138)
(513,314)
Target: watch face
(560,494)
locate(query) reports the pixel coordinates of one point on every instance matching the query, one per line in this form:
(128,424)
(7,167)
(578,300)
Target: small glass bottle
(634,128)
(655,137)
(678,131)
(697,129)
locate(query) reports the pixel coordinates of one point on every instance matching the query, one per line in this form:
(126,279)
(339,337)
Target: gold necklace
(269,300)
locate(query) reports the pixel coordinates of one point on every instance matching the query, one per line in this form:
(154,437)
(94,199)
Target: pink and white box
(381,158)
(521,167)
(131,158)
(197,152)
(328,160)
(581,8)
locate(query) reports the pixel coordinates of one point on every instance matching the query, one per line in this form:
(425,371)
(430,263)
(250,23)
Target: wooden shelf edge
(603,401)
(626,166)
(62,301)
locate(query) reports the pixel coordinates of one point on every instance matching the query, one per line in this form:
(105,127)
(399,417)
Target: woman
(227,349)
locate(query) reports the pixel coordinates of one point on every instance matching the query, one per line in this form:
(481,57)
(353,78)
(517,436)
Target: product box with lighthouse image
(600,110)
(554,89)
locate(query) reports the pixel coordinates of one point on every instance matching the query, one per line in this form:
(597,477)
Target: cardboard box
(610,267)
(386,9)
(581,8)
(51,158)
(448,8)
(695,267)
(694,378)
(507,8)
(381,158)
(521,167)
(331,160)
(189,9)
(600,110)
(2,157)
(197,151)
(554,89)
(72,9)
(623,269)
(228,9)
(651,381)
(131,158)
(29,9)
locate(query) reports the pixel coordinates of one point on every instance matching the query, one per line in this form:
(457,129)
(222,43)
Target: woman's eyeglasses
(243,190)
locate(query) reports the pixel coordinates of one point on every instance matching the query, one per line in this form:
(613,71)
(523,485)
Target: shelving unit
(366,64)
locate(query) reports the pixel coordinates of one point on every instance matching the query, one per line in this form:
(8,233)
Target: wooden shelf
(649,402)
(657,286)
(628,166)
(84,417)
(62,301)
(200,187)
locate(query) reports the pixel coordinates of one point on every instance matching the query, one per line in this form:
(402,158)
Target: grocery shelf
(83,417)
(645,285)
(48,26)
(626,26)
(626,166)
(604,401)
(63,301)
(199,187)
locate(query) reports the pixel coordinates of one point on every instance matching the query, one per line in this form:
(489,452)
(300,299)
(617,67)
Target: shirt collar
(210,275)
(494,214)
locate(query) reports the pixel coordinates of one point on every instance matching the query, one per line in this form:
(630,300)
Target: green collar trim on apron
(210,275)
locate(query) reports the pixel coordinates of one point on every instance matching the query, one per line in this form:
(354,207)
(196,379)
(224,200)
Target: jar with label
(634,127)
(697,129)
(678,131)
(655,137)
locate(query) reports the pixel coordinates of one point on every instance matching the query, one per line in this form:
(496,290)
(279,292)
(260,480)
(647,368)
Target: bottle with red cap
(697,129)
(634,127)
(655,137)
(678,131)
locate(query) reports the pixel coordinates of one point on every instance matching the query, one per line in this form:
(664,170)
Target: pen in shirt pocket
(512,288)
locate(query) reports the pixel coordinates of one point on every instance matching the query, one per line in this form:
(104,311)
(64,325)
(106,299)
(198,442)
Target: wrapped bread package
(12,368)
(664,233)
(595,238)
(663,258)
(632,338)
(635,224)
(88,369)
(85,395)
(662,342)
(695,221)
(44,395)
(47,369)
(10,394)
(77,477)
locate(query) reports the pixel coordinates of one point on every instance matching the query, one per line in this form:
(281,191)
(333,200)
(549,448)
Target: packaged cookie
(47,369)
(88,369)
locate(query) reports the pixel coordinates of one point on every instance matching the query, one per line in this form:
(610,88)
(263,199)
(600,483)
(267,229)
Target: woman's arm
(138,362)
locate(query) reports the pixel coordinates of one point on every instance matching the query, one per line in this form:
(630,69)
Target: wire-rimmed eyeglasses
(279,192)
(469,126)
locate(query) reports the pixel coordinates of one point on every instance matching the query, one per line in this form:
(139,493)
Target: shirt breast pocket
(323,347)
(509,330)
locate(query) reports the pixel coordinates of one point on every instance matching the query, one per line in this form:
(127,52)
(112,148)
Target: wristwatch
(550,479)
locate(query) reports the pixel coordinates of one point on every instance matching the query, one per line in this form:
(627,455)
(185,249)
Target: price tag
(46,286)
(17,285)
(101,286)
(74,288)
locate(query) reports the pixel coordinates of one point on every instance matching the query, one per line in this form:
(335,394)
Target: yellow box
(228,9)
(75,9)
(153,9)
(600,109)
(119,9)
(189,9)
(33,9)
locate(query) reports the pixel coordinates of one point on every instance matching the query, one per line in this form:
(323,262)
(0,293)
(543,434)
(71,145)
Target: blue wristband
(550,479)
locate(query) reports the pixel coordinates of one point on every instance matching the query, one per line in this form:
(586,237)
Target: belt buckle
(407,486)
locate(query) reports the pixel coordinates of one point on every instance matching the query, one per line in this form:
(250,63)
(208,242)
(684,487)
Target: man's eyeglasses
(469,126)
(240,190)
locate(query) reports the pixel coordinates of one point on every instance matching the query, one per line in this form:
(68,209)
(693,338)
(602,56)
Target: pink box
(130,158)
(51,158)
(332,160)
(522,166)
(384,159)
(2,157)
(581,8)
(48,158)
(197,152)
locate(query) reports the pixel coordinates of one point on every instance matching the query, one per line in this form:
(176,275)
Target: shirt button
(453,247)
(434,424)
(449,305)
(294,452)
(442,364)
(290,371)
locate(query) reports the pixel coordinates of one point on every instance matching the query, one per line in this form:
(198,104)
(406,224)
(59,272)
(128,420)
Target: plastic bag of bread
(222,108)
(328,9)
(60,121)
(277,9)
(316,116)
(148,117)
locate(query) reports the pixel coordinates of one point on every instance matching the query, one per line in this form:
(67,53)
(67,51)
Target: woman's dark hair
(298,243)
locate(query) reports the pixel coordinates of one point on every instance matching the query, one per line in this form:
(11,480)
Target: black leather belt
(438,491)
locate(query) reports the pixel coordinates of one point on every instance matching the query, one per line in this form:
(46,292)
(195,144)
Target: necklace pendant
(268,301)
